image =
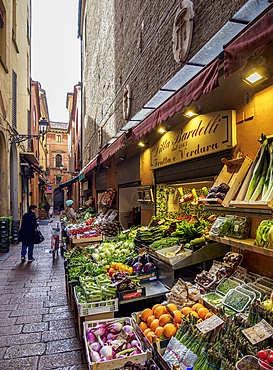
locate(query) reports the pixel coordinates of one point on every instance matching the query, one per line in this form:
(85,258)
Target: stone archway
(14,181)
(4,206)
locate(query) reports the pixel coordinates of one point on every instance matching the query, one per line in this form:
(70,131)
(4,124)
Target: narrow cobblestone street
(37,329)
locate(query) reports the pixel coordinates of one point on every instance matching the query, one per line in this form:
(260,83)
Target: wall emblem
(126,102)
(182,31)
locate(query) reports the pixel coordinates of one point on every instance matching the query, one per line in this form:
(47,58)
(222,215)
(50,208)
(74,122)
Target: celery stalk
(269,176)
(260,185)
(258,169)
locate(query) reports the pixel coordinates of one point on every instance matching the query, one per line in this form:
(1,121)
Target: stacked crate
(4,236)
(15,226)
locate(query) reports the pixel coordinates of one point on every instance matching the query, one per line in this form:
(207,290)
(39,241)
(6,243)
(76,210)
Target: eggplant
(142,259)
(137,267)
(213,190)
(220,195)
(148,266)
(222,188)
(211,195)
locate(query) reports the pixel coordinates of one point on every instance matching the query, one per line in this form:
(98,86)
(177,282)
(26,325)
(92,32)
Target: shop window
(58,138)
(3,36)
(58,180)
(58,160)
(14,26)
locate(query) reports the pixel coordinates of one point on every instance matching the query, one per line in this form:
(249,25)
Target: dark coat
(26,233)
(47,207)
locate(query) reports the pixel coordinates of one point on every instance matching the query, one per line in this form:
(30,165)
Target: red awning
(203,82)
(250,42)
(91,165)
(113,148)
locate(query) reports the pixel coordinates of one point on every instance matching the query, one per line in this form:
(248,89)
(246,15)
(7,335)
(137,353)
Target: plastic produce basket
(120,362)
(172,260)
(238,293)
(93,308)
(248,363)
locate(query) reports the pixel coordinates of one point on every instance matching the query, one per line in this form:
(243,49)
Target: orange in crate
(164,319)
(146,313)
(209,314)
(160,311)
(186,310)
(154,324)
(149,336)
(159,331)
(202,312)
(178,316)
(143,326)
(197,306)
(169,330)
(147,331)
(155,306)
(172,307)
(150,320)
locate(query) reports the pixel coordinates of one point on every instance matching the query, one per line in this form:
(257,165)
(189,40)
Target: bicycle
(55,238)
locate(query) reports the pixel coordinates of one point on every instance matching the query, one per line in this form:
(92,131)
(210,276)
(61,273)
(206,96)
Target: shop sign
(49,189)
(203,135)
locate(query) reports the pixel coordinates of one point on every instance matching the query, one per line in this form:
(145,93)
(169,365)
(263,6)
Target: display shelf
(255,212)
(243,244)
(153,289)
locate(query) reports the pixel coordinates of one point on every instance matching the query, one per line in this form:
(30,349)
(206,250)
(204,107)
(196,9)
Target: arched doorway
(4,208)
(14,181)
(58,199)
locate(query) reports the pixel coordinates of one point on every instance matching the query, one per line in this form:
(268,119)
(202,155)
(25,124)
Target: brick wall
(116,33)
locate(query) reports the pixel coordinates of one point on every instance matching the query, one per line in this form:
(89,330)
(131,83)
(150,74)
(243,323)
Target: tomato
(270,358)
(262,354)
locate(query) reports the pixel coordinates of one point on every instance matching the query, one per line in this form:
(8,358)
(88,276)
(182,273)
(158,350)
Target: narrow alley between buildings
(37,328)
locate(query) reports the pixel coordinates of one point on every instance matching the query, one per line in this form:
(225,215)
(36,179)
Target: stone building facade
(14,102)
(130,43)
(57,163)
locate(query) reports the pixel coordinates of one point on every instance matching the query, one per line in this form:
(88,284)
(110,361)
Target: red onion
(135,353)
(99,330)
(128,346)
(95,346)
(90,337)
(128,328)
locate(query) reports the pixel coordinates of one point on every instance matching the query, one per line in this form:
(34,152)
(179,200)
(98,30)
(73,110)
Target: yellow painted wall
(20,63)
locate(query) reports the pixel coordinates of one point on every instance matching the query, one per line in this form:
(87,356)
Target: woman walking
(26,233)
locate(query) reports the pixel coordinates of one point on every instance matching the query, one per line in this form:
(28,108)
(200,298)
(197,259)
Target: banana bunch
(263,234)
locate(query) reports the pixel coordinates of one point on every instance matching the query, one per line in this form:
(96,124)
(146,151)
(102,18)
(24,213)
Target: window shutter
(14,99)
(29,129)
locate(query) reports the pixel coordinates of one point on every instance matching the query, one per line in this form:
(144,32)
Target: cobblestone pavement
(37,329)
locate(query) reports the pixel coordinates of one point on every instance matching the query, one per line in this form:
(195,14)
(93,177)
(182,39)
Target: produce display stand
(84,242)
(233,174)
(258,258)
(208,252)
(116,363)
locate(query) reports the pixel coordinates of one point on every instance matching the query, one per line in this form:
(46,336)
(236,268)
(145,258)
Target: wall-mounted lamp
(18,138)
(192,112)
(162,130)
(121,158)
(61,167)
(143,143)
(258,75)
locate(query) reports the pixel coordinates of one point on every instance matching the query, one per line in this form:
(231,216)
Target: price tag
(142,250)
(258,332)
(215,267)
(210,324)
(161,222)
(240,273)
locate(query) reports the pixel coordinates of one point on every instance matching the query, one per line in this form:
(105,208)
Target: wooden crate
(233,174)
